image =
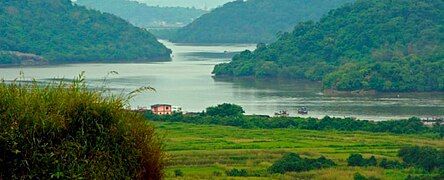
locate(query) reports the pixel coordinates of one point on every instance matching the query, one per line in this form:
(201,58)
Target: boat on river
(303,111)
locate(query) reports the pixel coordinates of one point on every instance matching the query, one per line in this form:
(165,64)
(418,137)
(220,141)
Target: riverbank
(29,63)
(403,126)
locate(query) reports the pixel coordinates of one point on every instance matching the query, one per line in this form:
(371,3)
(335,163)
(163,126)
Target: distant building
(177,109)
(162,109)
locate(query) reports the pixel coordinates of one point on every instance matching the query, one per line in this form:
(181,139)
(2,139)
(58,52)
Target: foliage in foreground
(292,162)
(66,131)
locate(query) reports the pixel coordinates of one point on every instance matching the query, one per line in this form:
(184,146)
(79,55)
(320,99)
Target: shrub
(225,110)
(178,173)
(359,176)
(389,164)
(66,131)
(292,162)
(358,160)
(427,158)
(217,173)
(237,172)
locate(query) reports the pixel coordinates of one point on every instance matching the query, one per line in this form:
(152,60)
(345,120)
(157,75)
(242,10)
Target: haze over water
(186,81)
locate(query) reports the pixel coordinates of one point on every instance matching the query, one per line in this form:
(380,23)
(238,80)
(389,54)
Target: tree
(292,162)
(427,158)
(356,160)
(225,110)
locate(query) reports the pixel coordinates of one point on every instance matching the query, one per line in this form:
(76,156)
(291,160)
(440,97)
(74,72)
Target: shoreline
(154,60)
(326,92)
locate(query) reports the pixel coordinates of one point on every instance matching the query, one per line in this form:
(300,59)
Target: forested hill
(143,15)
(382,45)
(253,21)
(59,31)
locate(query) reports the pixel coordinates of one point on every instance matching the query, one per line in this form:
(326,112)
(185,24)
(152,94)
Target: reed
(65,130)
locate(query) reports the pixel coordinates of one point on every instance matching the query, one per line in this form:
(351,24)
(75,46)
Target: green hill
(253,21)
(59,31)
(143,15)
(381,45)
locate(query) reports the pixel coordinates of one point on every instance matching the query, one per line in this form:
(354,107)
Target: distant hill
(59,31)
(383,45)
(253,21)
(143,15)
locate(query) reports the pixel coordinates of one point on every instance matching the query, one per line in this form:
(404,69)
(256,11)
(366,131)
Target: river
(187,82)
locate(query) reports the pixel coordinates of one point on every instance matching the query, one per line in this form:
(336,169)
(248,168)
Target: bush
(358,160)
(359,176)
(427,158)
(225,110)
(66,131)
(389,164)
(178,173)
(292,162)
(237,172)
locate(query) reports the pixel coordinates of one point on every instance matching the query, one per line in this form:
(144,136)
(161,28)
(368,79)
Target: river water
(186,81)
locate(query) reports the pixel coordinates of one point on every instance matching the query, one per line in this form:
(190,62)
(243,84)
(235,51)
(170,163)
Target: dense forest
(381,45)
(59,31)
(142,15)
(253,21)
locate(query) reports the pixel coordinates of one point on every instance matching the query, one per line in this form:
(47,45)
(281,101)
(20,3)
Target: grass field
(206,152)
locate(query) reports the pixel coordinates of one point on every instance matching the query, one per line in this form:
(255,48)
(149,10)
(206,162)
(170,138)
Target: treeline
(231,115)
(253,21)
(59,31)
(369,45)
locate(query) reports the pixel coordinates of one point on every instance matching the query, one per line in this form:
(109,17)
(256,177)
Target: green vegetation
(378,45)
(143,15)
(237,172)
(59,31)
(423,157)
(292,162)
(390,164)
(209,151)
(409,126)
(225,110)
(358,160)
(8,58)
(253,21)
(65,131)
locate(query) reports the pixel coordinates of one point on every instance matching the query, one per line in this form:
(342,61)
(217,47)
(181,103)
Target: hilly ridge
(253,21)
(61,31)
(143,15)
(394,45)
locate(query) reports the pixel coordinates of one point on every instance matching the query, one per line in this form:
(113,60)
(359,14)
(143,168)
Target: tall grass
(64,130)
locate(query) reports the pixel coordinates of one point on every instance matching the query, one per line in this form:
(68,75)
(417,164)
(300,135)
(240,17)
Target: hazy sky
(187,3)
